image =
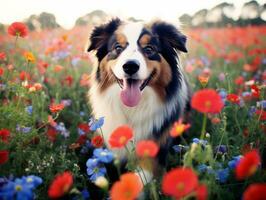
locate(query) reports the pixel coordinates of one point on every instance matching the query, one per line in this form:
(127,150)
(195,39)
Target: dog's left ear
(168,34)
(100,36)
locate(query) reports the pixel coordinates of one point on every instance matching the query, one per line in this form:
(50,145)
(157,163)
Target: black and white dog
(138,80)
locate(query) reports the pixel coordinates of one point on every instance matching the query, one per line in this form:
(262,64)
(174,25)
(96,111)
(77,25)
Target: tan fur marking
(161,78)
(121,39)
(107,77)
(144,40)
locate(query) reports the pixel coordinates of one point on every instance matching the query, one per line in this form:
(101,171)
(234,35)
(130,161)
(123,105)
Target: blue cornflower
(29,110)
(19,187)
(251,111)
(33,181)
(85,148)
(75,61)
(85,194)
(94,169)
(95,124)
(222,175)
(23,129)
(177,148)
(223,93)
(246,94)
(233,163)
(103,155)
(62,129)
(66,102)
(60,54)
(2,86)
(205,60)
(221,149)
(202,168)
(81,132)
(205,168)
(198,141)
(82,113)
(262,104)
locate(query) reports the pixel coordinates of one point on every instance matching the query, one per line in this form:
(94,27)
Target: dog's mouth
(131,89)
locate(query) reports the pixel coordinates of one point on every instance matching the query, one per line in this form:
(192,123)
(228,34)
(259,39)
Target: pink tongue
(130,95)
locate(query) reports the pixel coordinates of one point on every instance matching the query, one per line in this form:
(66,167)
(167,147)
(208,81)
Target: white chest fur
(150,113)
(141,118)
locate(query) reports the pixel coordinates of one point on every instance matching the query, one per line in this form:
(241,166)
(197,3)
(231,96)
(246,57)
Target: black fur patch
(169,34)
(154,42)
(100,37)
(99,40)
(171,40)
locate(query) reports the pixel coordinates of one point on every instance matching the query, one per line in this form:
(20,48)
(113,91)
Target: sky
(67,11)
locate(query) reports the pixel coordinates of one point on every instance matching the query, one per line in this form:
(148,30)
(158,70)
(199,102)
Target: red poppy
(216,120)
(178,128)
(82,139)
(255,191)
(51,134)
(84,127)
(207,101)
(147,148)
(239,80)
(261,114)
(51,121)
(128,188)
(97,141)
(233,98)
(179,182)
(58,68)
(1,71)
(4,135)
(18,29)
(60,185)
(68,80)
(250,67)
(248,165)
(255,91)
(4,155)
(54,108)
(24,76)
(201,192)
(2,55)
(120,136)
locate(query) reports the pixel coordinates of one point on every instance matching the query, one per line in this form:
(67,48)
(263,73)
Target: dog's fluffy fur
(164,94)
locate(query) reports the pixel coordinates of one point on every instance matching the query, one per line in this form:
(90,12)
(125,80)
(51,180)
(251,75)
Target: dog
(138,80)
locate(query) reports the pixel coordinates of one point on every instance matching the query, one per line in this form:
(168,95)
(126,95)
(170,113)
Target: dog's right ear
(100,36)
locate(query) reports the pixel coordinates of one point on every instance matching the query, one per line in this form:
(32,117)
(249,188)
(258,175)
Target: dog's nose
(131,67)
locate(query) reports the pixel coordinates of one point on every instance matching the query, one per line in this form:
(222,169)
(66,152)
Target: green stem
(16,41)
(153,190)
(137,170)
(203,129)
(102,133)
(143,174)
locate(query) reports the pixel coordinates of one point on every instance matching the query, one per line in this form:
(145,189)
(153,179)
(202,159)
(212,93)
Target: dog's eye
(118,48)
(148,50)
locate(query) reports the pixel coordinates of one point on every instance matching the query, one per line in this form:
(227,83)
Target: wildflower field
(51,147)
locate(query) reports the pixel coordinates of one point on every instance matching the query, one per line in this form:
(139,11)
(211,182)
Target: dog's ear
(169,35)
(100,36)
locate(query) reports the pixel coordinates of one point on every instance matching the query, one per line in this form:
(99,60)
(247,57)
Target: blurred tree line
(225,14)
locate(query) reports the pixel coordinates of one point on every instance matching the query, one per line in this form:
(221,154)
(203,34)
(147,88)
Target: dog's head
(135,56)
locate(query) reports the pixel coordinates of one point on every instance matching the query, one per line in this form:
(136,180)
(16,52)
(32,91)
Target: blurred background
(51,14)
